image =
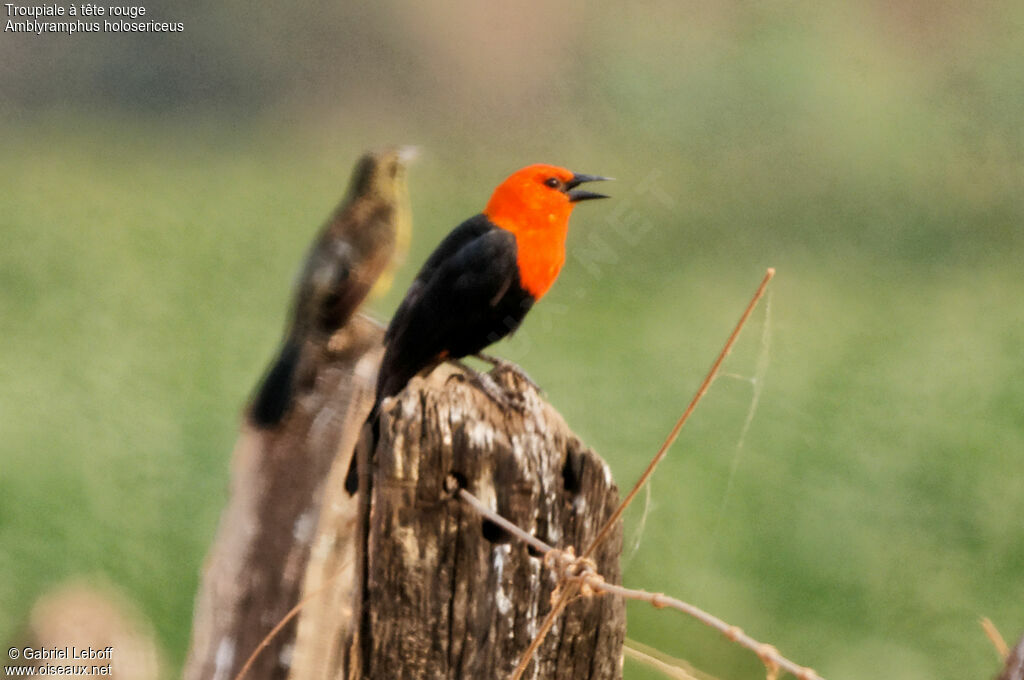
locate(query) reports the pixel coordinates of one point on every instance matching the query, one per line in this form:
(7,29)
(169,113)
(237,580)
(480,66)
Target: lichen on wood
(445,594)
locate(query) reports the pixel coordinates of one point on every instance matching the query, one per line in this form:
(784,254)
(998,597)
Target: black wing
(458,304)
(457,238)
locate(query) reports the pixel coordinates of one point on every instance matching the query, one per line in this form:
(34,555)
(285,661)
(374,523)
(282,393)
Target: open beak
(576,195)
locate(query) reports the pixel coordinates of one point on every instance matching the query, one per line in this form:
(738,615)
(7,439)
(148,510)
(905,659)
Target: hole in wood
(541,533)
(493,533)
(572,472)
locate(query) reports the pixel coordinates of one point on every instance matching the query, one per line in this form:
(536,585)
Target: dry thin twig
(668,669)
(701,391)
(580,573)
(670,666)
(568,593)
(244,670)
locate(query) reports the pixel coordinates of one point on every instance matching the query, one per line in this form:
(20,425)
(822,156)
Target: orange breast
(541,254)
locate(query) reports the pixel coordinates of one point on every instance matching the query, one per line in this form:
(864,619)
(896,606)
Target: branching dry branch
(701,391)
(568,593)
(580,572)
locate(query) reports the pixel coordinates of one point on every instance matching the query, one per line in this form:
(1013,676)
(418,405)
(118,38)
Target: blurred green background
(159,190)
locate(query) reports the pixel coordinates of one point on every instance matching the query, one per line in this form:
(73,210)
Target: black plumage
(466,296)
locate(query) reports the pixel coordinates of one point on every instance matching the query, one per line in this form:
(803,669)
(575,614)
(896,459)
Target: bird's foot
(502,366)
(489,386)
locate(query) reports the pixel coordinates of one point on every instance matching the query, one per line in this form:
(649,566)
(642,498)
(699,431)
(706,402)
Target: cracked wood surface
(439,592)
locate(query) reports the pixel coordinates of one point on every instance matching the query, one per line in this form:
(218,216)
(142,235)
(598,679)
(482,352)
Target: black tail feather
(277,392)
(390,381)
(373,423)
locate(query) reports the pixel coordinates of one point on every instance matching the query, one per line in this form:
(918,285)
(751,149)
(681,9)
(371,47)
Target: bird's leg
(488,386)
(503,365)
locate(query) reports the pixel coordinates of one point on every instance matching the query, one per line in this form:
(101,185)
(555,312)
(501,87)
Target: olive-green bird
(359,247)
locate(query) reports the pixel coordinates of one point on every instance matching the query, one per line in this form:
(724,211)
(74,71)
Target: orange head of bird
(534,204)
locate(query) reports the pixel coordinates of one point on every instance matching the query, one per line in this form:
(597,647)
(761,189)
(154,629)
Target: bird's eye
(552,182)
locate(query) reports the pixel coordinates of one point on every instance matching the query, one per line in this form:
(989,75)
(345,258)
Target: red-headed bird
(479,283)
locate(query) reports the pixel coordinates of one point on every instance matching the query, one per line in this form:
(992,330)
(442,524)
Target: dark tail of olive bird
(276,392)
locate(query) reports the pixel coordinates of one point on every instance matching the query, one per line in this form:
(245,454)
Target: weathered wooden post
(402,580)
(439,592)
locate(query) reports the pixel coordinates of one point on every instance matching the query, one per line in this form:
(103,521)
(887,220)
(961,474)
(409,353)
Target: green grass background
(873,512)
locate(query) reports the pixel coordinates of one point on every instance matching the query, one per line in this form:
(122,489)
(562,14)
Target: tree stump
(431,590)
(403,580)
